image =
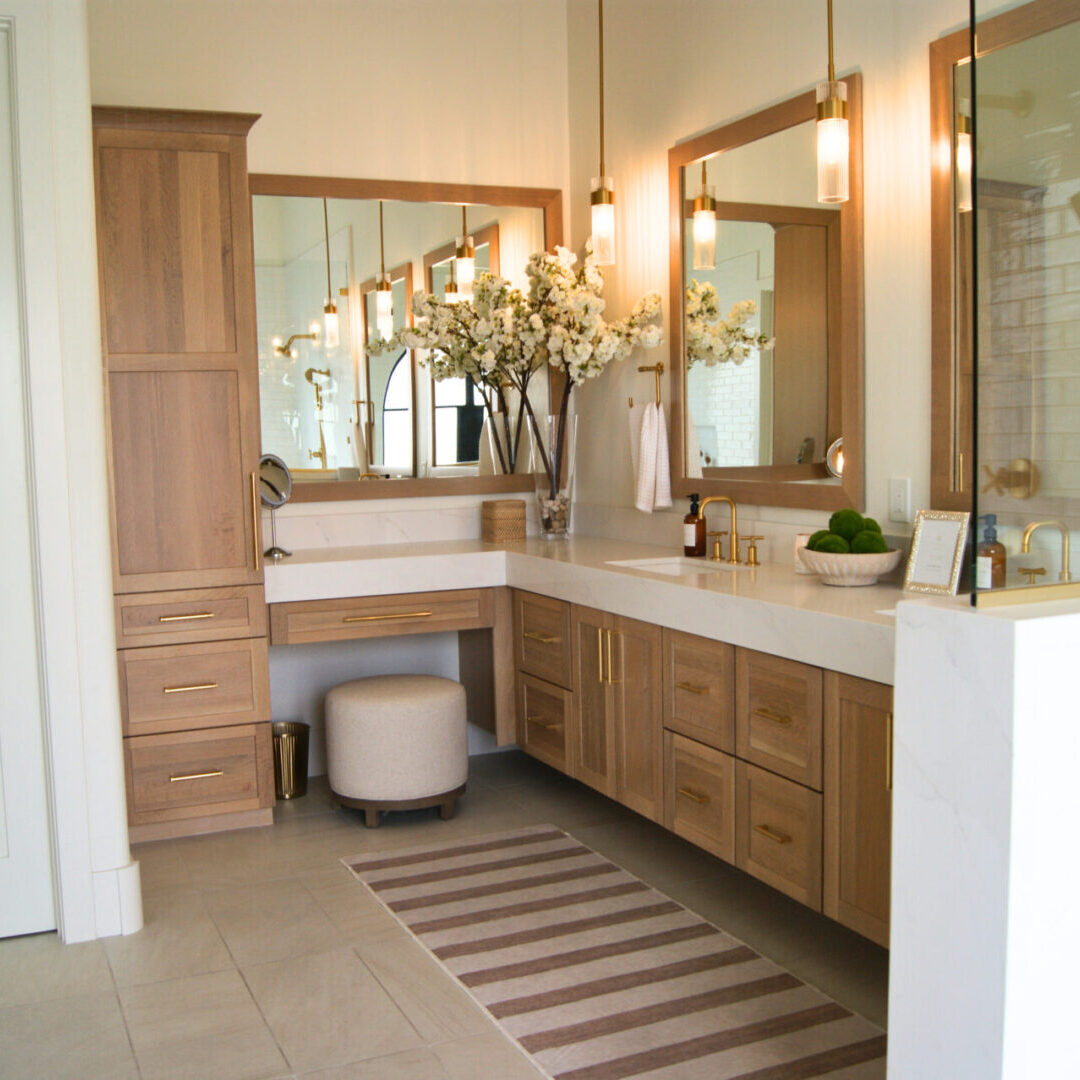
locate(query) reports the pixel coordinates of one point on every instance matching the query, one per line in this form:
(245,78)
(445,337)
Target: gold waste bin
(290,758)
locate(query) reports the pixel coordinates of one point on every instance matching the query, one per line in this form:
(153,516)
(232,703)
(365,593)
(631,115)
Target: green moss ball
(812,543)
(871,524)
(834,543)
(846,523)
(868,542)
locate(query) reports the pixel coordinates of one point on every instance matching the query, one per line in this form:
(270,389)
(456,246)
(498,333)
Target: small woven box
(502,520)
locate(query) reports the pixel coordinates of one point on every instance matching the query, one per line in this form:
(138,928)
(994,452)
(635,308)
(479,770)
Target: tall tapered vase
(553,471)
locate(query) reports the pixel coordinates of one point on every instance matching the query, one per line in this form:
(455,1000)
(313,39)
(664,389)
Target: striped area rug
(598,977)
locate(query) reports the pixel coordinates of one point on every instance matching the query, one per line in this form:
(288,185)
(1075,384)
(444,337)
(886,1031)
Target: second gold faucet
(734,557)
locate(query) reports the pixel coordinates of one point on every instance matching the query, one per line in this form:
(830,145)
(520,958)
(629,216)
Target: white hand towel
(693,451)
(662,497)
(646,476)
(486,463)
(635,413)
(360,449)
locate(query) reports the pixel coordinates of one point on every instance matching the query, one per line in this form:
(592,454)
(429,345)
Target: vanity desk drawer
(778,833)
(187,774)
(175,687)
(166,618)
(699,677)
(778,710)
(343,619)
(543,715)
(542,637)
(700,794)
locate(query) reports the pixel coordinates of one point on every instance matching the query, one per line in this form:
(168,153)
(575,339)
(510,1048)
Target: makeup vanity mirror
(349,420)
(760,430)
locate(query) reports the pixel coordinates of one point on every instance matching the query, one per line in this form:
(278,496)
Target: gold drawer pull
(776,718)
(185,618)
(547,725)
(195,686)
(255,503)
(544,639)
(196,776)
(690,688)
(694,796)
(379,618)
(771,834)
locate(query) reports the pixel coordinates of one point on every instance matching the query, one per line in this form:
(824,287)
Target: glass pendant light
(705,226)
(331,336)
(964,158)
(465,260)
(602,198)
(832,133)
(384,296)
(450,289)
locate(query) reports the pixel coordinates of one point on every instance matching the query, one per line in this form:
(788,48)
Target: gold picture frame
(937,551)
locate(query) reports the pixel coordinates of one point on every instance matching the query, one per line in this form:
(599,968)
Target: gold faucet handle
(751,550)
(717,555)
(1032,572)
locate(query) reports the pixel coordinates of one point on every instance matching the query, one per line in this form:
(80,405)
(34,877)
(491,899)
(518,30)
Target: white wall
(682,67)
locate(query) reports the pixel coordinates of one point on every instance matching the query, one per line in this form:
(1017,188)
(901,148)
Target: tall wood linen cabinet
(179,347)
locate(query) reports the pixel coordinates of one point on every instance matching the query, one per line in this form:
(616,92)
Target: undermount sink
(674,565)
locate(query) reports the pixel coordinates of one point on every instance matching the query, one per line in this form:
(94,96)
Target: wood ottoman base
(372,807)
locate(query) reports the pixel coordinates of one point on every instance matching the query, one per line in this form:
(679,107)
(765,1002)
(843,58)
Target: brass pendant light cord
(832,67)
(464,224)
(600,4)
(382,255)
(326,234)
(704,177)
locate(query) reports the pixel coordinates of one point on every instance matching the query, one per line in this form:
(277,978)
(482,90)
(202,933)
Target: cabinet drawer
(197,773)
(190,615)
(172,687)
(778,833)
(379,616)
(543,715)
(699,803)
(699,689)
(778,715)
(542,637)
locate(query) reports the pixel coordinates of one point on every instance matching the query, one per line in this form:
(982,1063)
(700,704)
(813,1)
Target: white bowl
(837,568)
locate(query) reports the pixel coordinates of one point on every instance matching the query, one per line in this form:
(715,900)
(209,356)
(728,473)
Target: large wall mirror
(759,430)
(350,419)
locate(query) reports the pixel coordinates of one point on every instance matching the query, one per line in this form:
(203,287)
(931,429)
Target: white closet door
(26,887)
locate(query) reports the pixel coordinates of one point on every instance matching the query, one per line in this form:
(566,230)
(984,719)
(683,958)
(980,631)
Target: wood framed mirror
(759,431)
(392,406)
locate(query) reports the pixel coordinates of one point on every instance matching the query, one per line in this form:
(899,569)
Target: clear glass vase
(554,478)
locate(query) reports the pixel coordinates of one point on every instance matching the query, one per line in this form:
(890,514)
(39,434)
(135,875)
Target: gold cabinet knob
(1032,572)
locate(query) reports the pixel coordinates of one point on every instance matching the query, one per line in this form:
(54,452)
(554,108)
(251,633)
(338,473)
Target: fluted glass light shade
(832,142)
(964,162)
(450,292)
(705,226)
(603,220)
(384,307)
(331,337)
(465,265)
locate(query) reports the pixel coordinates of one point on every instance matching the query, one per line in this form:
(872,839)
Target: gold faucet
(734,522)
(320,454)
(1025,545)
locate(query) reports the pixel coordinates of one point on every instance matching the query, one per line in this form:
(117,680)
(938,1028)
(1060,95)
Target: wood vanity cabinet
(178,339)
(615,742)
(858,804)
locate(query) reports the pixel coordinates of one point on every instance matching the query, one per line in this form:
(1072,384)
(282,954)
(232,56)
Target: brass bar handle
(776,718)
(888,751)
(188,689)
(255,545)
(610,669)
(186,618)
(544,639)
(196,776)
(600,654)
(693,796)
(381,618)
(690,688)
(547,725)
(772,834)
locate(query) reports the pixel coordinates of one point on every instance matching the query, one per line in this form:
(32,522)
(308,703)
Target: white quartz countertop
(769,607)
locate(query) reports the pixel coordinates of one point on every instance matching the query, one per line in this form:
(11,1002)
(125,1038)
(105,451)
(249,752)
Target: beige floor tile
(316,801)
(328,1010)
(39,968)
(509,768)
(408,1065)
(160,866)
(565,803)
(485,1057)
(178,938)
(355,912)
(72,1039)
(436,1005)
(201,1026)
(261,923)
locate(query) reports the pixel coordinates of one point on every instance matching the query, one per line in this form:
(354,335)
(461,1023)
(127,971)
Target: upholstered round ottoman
(396,742)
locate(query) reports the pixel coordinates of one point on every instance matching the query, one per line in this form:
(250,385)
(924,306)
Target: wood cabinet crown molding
(195,121)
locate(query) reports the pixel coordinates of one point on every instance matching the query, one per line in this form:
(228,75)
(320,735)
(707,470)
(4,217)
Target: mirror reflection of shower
(310,375)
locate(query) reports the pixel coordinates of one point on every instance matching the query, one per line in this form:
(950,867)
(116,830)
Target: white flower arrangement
(713,339)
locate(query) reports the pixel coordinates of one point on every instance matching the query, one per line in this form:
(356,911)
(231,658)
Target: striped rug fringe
(597,976)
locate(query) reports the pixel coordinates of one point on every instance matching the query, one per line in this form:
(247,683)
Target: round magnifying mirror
(834,459)
(275,487)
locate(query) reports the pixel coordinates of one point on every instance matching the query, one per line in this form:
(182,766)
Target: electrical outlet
(900,498)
